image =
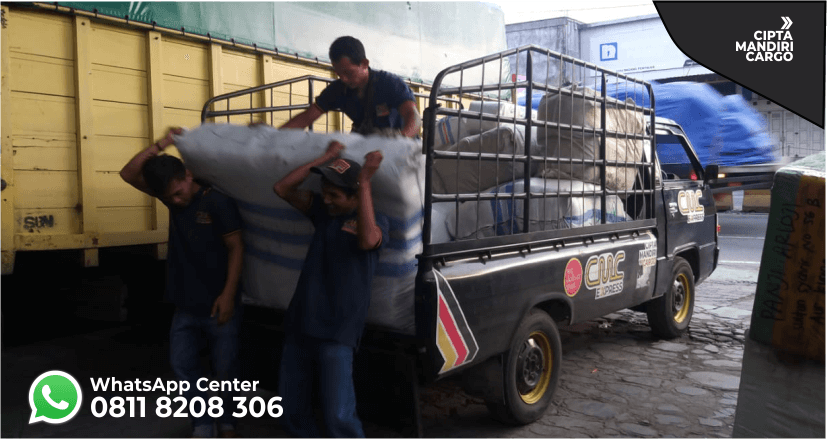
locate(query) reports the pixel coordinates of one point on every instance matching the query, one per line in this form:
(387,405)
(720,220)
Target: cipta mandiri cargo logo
(769,45)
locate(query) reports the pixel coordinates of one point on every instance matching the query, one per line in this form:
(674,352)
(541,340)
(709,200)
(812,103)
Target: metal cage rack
(562,81)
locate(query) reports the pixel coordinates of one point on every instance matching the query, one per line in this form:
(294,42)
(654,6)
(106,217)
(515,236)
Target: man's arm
(225,303)
(367,232)
(288,187)
(305,118)
(132,172)
(411,119)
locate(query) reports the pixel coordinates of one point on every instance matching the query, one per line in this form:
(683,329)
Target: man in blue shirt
(203,271)
(374,100)
(326,316)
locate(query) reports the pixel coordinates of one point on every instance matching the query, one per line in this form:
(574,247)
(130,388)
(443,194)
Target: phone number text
(179,407)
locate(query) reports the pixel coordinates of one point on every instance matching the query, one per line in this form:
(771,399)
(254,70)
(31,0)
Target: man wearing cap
(375,100)
(326,316)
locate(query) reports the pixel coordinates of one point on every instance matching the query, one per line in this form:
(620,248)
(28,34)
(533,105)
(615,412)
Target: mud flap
(485,380)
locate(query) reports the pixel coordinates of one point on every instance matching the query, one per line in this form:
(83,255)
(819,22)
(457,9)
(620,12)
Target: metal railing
(244,102)
(582,145)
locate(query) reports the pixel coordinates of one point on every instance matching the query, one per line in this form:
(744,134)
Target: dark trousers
(187,335)
(303,360)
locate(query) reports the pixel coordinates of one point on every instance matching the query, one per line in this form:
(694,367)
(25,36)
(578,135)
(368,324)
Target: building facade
(642,48)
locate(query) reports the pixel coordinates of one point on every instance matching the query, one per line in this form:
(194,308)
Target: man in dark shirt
(374,100)
(204,267)
(327,314)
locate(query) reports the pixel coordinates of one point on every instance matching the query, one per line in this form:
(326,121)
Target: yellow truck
(86,85)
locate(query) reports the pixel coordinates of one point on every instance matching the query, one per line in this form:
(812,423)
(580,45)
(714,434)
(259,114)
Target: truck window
(674,161)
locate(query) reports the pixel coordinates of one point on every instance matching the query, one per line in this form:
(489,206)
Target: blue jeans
(187,335)
(303,360)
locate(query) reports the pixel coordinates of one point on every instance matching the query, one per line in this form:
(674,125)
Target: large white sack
(245,162)
(449,130)
(578,205)
(463,176)
(585,112)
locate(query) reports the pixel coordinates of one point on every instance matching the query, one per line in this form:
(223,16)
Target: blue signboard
(608,52)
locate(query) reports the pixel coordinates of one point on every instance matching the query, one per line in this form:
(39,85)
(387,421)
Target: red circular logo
(573,277)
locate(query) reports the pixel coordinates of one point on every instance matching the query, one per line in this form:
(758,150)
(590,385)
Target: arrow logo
(787,23)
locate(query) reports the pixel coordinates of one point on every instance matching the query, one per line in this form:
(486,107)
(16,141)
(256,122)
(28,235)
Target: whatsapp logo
(54,397)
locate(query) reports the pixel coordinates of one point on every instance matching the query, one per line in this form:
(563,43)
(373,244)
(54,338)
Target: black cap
(343,173)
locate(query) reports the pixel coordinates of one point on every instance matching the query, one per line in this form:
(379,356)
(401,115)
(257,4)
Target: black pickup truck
(531,221)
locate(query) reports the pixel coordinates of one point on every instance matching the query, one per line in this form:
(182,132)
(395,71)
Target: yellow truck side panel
(81,96)
(47,221)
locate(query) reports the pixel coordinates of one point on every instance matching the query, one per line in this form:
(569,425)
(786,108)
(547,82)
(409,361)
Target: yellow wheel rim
(681,298)
(536,367)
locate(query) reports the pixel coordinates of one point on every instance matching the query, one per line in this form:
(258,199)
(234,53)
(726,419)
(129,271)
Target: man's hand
(372,161)
(334,149)
(224,306)
(168,140)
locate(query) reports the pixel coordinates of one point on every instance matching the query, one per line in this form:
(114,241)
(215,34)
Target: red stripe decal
(453,332)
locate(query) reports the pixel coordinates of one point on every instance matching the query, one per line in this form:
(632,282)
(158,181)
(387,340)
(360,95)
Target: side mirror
(710,173)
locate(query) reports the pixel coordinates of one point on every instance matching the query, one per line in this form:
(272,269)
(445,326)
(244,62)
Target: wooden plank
(28,242)
(119,119)
(118,47)
(216,75)
(35,113)
(7,163)
(22,139)
(42,34)
(61,221)
(181,118)
(45,189)
(239,69)
(85,130)
(186,59)
(114,192)
(126,219)
(114,152)
(90,257)
(155,86)
(37,74)
(266,63)
(185,93)
(38,158)
(119,85)
(216,70)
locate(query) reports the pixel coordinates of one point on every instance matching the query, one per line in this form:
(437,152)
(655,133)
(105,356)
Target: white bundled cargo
(245,163)
(581,107)
(461,176)
(451,129)
(577,204)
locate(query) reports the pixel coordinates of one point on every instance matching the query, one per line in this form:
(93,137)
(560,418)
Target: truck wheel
(669,314)
(531,371)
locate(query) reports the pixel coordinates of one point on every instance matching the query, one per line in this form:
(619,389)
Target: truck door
(689,206)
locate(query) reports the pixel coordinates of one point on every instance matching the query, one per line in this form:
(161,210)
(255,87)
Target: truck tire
(532,368)
(669,314)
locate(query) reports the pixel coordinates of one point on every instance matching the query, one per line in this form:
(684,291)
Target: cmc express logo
(769,45)
(603,274)
(689,203)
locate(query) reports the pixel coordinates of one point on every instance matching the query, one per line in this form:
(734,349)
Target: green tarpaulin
(413,39)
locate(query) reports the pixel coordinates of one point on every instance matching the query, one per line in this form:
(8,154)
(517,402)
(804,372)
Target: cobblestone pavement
(619,381)
(616,380)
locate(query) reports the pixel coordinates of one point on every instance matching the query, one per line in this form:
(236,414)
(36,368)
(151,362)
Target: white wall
(644,49)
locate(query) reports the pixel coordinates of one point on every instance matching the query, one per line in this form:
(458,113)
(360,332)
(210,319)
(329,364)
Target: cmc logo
(608,52)
(689,203)
(603,274)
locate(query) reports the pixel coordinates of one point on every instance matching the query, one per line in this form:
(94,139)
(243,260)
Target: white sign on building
(638,47)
